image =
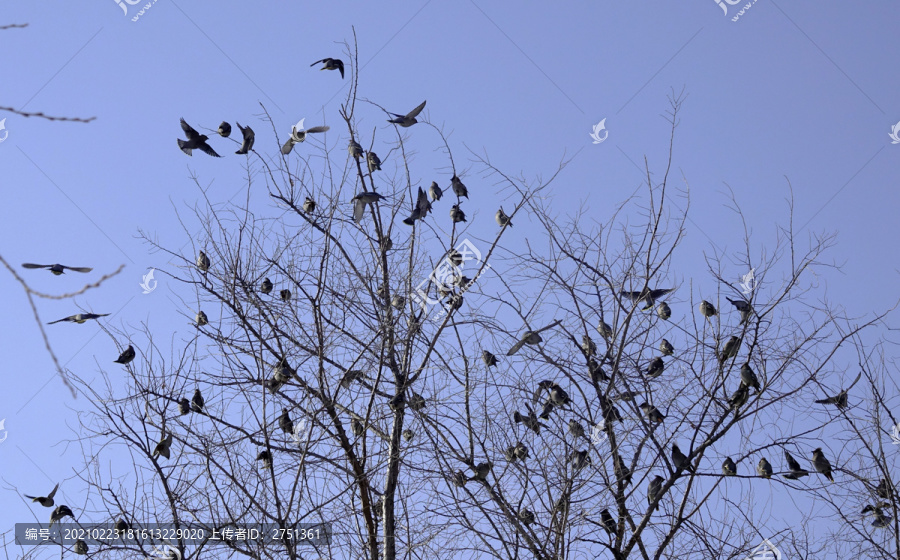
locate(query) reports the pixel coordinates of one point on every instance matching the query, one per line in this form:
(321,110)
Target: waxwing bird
(664,311)
(529,337)
(361,200)
(249,138)
(608,522)
(355,149)
(184,406)
(731,349)
(59,513)
(489,359)
(266,286)
(794,467)
(397,301)
(416,402)
(707,309)
(194,140)
(202,262)
(623,473)
(588,346)
(350,376)
(126,356)
(224,130)
(285,295)
(627,396)
(197,402)
(408,435)
(163,447)
(422,203)
(579,460)
(654,489)
(46,501)
(743,307)
(331,64)
(656,367)
(272,385)
(201,319)
(309,205)
(356,427)
(605,330)
(840,400)
(502,218)
(728,467)
(526,517)
(597,373)
(122,525)
(409,119)
(821,463)
(79,318)
(647,296)
(386,244)
(459,479)
(456,214)
(459,189)
(576,429)
(739,399)
(373,162)
(652,413)
(434,191)
(764,469)
(530,420)
(666,348)
(748,377)
(521,451)
(58,269)
(80,547)
(299,136)
(556,397)
(266,457)
(481,471)
(884,490)
(881,520)
(680,460)
(282,371)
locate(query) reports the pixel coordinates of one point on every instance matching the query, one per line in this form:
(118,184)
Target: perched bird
(224,130)
(520,451)
(350,376)
(408,435)
(654,489)
(608,522)
(728,467)
(647,296)
(489,359)
(122,526)
(202,262)
(680,461)
(730,350)
(627,396)
(623,473)
(576,429)
(456,301)
(502,218)
(652,413)
(743,307)
(605,330)
(579,459)
(285,295)
(355,149)
(361,200)
(530,420)
(481,471)
(666,348)
(434,191)
(266,286)
(126,356)
(46,501)
(373,162)
(456,214)
(588,346)
(840,400)
(80,547)
(764,469)
(330,64)
(459,189)
(707,309)
(201,319)
(748,377)
(409,119)
(249,138)
(459,479)
(357,427)
(59,513)
(386,244)
(664,311)
(163,447)
(309,205)
(184,406)
(272,385)
(556,397)
(266,457)
(526,517)
(739,399)
(79,318)
(282,371)
(821,463)
(197,401)
(58,269)
(194,140)
(529,337)
(794,467)
(656,367)
(416,402)
(597,373)
(397,301)
(884,490)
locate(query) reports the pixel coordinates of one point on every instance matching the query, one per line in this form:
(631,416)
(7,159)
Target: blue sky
(804,95)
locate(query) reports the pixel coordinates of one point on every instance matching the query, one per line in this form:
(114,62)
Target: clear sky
(804,95)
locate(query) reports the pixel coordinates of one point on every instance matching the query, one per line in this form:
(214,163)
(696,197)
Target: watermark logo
(895,434)
(141,12)
(895,132)
(748,283)
(449,272)
(297,129)
(600,127)
(765,551)
(164,552)
(598,432)
(149,284)
(740,12)
(299,432)
(4,134)
(3,431)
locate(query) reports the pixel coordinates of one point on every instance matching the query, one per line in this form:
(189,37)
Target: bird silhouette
(79,318)
(647,296)
(459,189)
(680,460)
(361,200)
(821,464)
(576,429)
(526,516)
(434,191)
(794,467)
(731,349)
(184,406)
(656,367)
(748,377)
(126,356)
(502,218)
(330,64)
(653,490)
(373,162)
(652,413)
(60,512)
(556,397)
(197,401)
(743,307)
(58,269)
(739,398)
(530,420)
(728,467)
(489,359)
(194,140)
(46,501)
(224,130)
(249,139)
(707,309)
(605,330)
(266,286)
(266,457)
(764,469)
(840,400)
(201,319)
(80,547)
(529,337)
(203,262)
(608,522)
(163,447)
(285,295)
(408,119)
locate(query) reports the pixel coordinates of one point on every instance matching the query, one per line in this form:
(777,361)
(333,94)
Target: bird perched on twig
(285,295)
(194,140)
(266,286)
(434,191)
(197,401)
(459,479)
(608,522)
(184,406)
(576,429)
(266,457)
(764,469)
(652,413)
(707,309)
(163,447)
(530,420)
(588,347)
(728,467)
(309,205)
(202,262)
(739,398)
(79,318)
(840,400)
(526,517)
(459,189)
(408,119)
(46,501)
(748,377)
(502,218)
(647,296)
(520,451)
(360,202)
(821,464)
(58,269)
(201,319)
(653,490)
(456,214)
(666,348)
(331,64)
(481,471)
(731,349)
(224,130)
(556,397)
(355,149)
(373,162)
(664,311)
(285,423)
(80,547)
(490,360)
(656,367)
(579,460)
(249,139)
(794,467)
(357,427)
(680,460)
(605,330)
(126,356)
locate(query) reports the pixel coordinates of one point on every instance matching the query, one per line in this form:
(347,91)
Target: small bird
(605,330)
(357,427)
(373,162)
(666,348)
(728,467)
(623,473)
(351,376)
(299,136)
(794,467)
(79,318)
(839,400)
(597,373)
(361,200)
(126,356)
(627,396)
(707,309)
(588,346)
(272,385)
(529,337)
(266,286)
(656,367)
(58,269)
(743,307)
(416,402)
(608,522)
(654,489)
(434,191)
(884,490)
(386,244)
(456,301)
(266,457)
(748,377)
(680,461)
(456,214)
(163,447)
(121,525)
(764,469)
(397,301)
(309,205)
(739,398)
(46,501)
(285,295)
(556,397)
(409,119)
(502,218)
(197,402)
(647,296)
(821,463)
(731,349)
(224,130)
(459,189)
(201,319)
(80,547)
(481,471)
(459,479)
(576,429)
(652,413)
(664,311)
(881,519)
(421,209)
(530,420)
(184,406)
(202,262)
(282,371)
(408,435)
(195,140)
(249,138)
(59,513)
(489,359)
(526,517)
(520,451)
(579,460)
(355,149)
(331,64)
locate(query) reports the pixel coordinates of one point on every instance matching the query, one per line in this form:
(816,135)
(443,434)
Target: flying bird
(409,119)
(224,130)
(373,162)
(126,356)
(299,136)
(743,307)
(794,467)
(59,513)
(197,401)
(840,400)
(764,469)
(46,501)
(459,189)
(361,200)
(528,338)
(647,296)
(502,218)
(331,64)
(163,447)
(249,138)
(707,309)
(79,318)
(821,464)
(884,490)
(434,191)
(194,140)
(456,214)
(728,467)
(58,269)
